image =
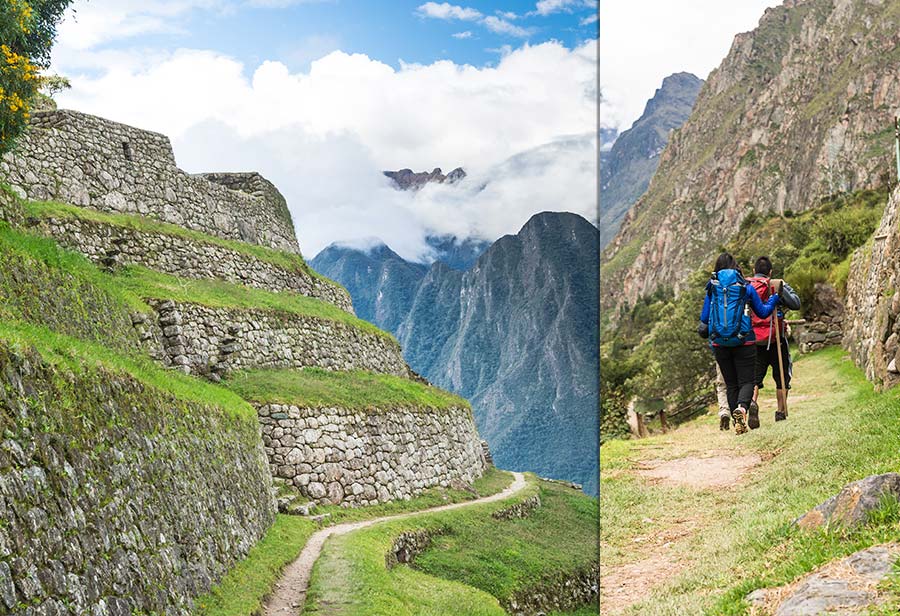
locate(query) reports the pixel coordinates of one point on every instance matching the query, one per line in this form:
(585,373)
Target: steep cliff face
(800,108)
(380,281)
(516,334)
(626,169)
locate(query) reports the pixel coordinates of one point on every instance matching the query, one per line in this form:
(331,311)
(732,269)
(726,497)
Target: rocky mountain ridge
(626,168)
(407,179)
(799,109)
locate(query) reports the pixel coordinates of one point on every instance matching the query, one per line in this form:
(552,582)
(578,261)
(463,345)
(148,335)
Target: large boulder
(851,506)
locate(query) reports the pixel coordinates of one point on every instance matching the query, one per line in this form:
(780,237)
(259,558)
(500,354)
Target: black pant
(769,357)
(738,366)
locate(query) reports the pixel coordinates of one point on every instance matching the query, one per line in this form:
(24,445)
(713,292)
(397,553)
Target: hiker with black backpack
(725,320)
(771,342)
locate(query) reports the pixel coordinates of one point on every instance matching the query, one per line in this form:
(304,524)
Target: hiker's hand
(777,285)
(703,330)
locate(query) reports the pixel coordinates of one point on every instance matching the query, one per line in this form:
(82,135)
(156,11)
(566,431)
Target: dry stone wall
(872,313)
(213,341)
(88,161)
(566,593)
(112,245)
(137,503)
(356,458)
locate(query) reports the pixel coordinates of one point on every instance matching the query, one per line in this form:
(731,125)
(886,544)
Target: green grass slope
(724,542)
(357,390)
(473,557)
(148,284)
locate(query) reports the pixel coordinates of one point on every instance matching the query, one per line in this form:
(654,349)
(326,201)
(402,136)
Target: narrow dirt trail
(289,593)
(670,497)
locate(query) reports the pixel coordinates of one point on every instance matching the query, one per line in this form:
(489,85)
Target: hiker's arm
(704,314)
(789,297)
(762,310)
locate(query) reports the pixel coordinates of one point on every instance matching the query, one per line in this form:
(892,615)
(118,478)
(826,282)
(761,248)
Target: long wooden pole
(780,361)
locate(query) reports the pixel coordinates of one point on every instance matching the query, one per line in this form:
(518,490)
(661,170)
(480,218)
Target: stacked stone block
(367,457)
(113,246)
(89,161)
(203,340)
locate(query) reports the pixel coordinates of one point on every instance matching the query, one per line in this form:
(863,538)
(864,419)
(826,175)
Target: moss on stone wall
(42,284)
(117,496)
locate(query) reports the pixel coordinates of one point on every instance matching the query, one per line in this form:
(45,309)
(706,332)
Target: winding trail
(289,593)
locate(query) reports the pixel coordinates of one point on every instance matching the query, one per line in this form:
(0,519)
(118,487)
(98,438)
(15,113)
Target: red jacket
(763,329)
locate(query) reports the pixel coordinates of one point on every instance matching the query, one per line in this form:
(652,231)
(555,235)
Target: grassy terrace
(475,563)
(556,539)
(726,542)
(77,355)
(317,388)
(135,284)
(244,589)
(284,260)
(146,283)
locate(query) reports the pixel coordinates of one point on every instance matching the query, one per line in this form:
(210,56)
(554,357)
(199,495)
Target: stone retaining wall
(136,503)
(366,457)
(112,245)
(872,313)
(563,594)
(408,545)
(89,161)
(821,333)
(213,341)
(519,510)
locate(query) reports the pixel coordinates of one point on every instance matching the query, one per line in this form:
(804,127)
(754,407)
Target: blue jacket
(762,309)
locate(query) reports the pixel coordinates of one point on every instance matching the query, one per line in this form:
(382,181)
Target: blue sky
(296,33)
(390,31)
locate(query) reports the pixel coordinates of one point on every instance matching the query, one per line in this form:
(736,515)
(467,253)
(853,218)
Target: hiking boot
(753,420)
(740,420)
(724,421)
(779,416)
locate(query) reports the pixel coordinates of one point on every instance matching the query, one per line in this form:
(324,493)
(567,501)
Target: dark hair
(726,261)
(763,266)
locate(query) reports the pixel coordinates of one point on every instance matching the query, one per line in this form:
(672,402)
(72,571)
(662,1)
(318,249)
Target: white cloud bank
(643,41)
(325,135)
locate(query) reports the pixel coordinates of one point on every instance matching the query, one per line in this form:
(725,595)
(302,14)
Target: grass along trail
(289,593)
(693,520)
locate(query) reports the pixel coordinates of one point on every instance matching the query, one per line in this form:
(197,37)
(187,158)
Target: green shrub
(845,229)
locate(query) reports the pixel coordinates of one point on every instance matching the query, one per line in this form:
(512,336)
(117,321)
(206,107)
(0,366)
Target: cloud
(324,134)
(462,35)
(590,19)
(548,7)
(445,10)
(643,41)
(501,26)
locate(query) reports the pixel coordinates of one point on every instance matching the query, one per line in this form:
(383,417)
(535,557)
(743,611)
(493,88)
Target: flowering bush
(27,30)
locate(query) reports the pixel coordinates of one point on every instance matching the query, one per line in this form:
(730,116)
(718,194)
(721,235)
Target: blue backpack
(729,317)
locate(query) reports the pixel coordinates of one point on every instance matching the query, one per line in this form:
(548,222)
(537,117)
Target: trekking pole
(780,360)
(897,145)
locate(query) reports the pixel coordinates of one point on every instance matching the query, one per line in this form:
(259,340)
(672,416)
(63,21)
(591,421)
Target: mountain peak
(407,179)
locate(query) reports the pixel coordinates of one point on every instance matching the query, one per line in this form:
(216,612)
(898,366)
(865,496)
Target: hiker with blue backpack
(726,321)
